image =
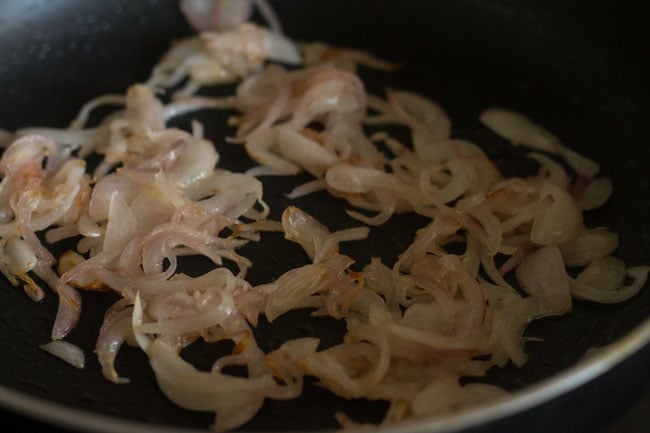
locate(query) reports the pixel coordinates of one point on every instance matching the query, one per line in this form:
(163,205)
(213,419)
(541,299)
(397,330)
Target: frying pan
(580,68)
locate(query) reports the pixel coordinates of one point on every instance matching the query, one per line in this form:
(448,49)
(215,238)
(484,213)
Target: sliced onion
(137,318)
(88,107)
(595,194)
(68,352)
(27,151)
(307,188)
(216,14)
(602,282)
(292,288)
(259,148)
(196,163)
(557,219)
(284,361)
(255,44)
(267,12)
(304,151)
(551,170)
(605,274)
(328,90)
(343,58)
(122,225)
(350,179)
(182,325)
(234,399)
(115,330)
(413,330)
(587,246)
(520,130)
(305,230)
(68,312)
(442,397)
(428,121)
(22,255)
(542,274)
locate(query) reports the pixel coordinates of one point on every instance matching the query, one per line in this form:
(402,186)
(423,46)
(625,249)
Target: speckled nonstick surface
(580,68)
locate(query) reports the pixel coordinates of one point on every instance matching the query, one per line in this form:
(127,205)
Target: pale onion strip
(280,79)
(557,218)
(21,253)
(137,318)
(373,334)
(68,352)
(109,342)
(638,274)
(31,288)
(492,272)
(307,188)
(109,99)
(438,398)
(235,400)
(542,274)
(520,130)
(587,246)
(269,15)
(551,170)
(196,103)
(68,312)
(344,58)
(384,215)
(185,324)
(59,233)
(351,234)
(595,194)
(308,232)
(216,14)
(84,139)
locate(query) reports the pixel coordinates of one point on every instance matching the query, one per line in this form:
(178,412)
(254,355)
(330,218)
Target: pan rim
(527,398)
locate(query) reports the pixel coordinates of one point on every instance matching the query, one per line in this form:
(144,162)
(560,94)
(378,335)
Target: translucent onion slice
(305,152)
(557,218)
(68,311)
(439,398)
(22,254)
(234,399)
(542,274)
(216,14)
(68,352)
(596,193)
(603,281)
(255,43)
(587,246)
(520,130)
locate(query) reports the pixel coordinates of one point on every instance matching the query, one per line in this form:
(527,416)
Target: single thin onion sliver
(68,352)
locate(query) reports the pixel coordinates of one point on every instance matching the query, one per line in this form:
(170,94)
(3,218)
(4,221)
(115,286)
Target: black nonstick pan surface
(580,68)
